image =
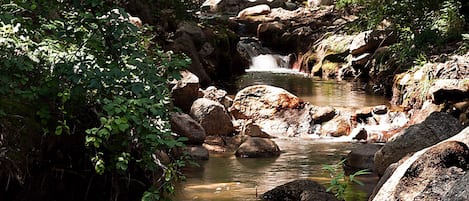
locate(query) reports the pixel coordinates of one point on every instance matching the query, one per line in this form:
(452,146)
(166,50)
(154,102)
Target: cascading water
(270,62)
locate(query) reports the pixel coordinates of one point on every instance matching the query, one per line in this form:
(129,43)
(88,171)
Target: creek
(227,178)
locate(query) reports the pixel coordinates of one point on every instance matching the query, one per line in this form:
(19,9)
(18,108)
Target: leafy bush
(88,71)
(339,182)
(420,25)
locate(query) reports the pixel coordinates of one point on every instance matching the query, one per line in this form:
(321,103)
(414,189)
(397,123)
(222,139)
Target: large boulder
(186,41)
(212,116)
(278,112)
(256,147)
(330,55)
(183,125)
(185,91)
(299,190)
(434,173)
(436,128)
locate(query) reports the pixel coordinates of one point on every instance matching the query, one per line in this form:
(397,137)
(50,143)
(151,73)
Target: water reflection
(227,178)
(314,90)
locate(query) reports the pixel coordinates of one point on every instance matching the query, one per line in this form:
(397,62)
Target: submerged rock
(361,158)
(299,190)
(195,152)
(256,147)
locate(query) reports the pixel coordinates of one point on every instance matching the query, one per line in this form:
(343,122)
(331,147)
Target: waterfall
(270,62)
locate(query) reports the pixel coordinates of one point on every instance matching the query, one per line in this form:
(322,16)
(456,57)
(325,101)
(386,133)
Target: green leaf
(58,130)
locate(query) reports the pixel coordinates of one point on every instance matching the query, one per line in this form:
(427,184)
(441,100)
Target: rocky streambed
(423,130)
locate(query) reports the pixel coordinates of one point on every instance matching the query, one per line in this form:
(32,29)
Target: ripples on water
(227,178)
(314,90)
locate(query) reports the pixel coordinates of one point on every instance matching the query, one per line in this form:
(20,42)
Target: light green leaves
(339,181)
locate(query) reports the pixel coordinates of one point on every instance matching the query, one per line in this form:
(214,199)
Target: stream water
(227,178)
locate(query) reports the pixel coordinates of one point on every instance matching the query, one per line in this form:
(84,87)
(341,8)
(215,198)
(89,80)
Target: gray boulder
(436,128)
(277,112)
(195,152)
(185,90)
(433,173)
(460,190)
(299,190)
(183,125)
(361,158)
(212,116)
(256,147)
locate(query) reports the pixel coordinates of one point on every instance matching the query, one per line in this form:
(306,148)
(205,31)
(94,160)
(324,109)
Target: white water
(271,62)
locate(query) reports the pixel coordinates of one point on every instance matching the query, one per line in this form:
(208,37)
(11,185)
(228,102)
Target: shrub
(87,71)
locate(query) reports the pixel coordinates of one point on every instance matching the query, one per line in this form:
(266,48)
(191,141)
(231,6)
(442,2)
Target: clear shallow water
(314,90)
(227,178)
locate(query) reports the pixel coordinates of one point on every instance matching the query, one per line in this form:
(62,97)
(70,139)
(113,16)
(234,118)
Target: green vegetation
(340,183)
(421,26)
(84,70)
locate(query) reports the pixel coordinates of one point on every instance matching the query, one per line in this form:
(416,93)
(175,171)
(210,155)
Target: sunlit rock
(322,114)
(430,174)
(316,3)
(278,112)
(212,116)
(185,91)
(449,90)
(252,129)
(330,55)
(369,41)
(338,126)
(218,95)
(255,10)
(437,127)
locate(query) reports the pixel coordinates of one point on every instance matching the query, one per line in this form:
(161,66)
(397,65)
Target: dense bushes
(420,25)
(84,70)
